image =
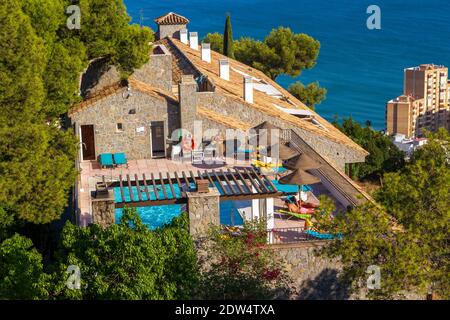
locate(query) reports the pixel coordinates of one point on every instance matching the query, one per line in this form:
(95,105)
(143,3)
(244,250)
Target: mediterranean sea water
(361,68)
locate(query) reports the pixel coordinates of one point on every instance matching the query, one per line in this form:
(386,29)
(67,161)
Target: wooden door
(158,140)
(88,142)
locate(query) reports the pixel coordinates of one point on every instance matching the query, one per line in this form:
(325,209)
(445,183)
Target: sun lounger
(120,159)
(106,160)
(302,216)
(323,236)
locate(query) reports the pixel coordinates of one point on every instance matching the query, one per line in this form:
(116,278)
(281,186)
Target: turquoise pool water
(157,216)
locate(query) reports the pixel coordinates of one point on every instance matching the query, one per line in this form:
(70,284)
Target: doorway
(158,144)
(88,142)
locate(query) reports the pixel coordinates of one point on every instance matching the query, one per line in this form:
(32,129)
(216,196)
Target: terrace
(244,193)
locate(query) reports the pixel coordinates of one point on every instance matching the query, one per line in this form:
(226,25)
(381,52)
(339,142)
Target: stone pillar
(203,209)
(188,102)
(103,210)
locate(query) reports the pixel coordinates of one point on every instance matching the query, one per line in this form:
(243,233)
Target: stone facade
(157,72)
(134,113)
(98,75)
(188,98)
(204,210)
(170,31)
(103,211)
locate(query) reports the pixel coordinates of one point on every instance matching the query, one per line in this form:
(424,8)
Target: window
(119,127)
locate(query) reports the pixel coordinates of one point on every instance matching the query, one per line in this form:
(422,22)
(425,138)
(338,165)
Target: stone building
(183,83)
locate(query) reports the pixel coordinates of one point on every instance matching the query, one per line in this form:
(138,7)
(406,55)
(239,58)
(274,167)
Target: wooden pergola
(242,183)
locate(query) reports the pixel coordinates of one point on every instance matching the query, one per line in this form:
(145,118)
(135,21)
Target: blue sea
(361,68)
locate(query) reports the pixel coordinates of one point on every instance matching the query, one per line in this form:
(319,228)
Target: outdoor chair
(120,159)
(106,160)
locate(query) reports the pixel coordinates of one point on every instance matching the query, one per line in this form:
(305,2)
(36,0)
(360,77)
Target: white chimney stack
(248,89)
(206,52)
(184,36)
(193,39)
(224,69)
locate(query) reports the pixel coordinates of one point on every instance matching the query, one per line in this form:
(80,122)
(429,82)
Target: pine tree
(228,39)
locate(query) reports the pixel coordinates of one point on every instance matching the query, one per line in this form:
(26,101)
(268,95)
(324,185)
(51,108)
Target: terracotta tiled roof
(180,64)
(171,19)
(96,97)
(262,102)
(118,87)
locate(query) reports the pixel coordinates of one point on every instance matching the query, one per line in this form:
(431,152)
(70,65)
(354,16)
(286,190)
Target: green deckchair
(296,215)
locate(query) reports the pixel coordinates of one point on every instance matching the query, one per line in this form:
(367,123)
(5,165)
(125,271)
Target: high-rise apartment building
(424,103)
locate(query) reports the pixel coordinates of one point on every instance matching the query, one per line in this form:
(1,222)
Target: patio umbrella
(302,162)
(284,152)
(268,127)
(300,178)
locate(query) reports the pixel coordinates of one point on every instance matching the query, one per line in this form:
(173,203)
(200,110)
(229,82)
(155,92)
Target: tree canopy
(40,64)
(311,94)
(406,235)
(21,270)
(228,46)
(384,155)
(242,266)
(281,52)
(128,261)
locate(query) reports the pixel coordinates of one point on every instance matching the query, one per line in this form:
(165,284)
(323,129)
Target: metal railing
(288,235)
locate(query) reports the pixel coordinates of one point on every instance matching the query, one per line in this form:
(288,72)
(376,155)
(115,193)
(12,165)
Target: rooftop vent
(184,36)
(224,69)
(248,89)
(193,40)
(206,52)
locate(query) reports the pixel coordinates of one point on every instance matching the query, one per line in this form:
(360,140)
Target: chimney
(248,89)
(224,69)
(184,36)
(193,39)
(206,52)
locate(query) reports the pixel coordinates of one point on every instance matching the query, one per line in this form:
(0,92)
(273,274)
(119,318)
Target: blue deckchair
(106,160)
(120,159)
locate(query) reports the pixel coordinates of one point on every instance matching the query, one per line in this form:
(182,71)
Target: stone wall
(170,31)
(157,72)
(103,211)
(107,113)
(204,210)
(188,98)
(98,75)
(314,277)
(227,106)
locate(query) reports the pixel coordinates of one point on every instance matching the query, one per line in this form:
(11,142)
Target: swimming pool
(157,216)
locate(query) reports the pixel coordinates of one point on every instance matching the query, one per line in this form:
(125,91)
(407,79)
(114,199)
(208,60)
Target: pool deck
(91,173)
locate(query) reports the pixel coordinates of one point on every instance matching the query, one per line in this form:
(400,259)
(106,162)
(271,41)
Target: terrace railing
(288,235)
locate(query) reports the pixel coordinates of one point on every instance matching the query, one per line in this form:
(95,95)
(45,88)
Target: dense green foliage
(21,270)
(128,261)
(216,41)
(244,267)
(228,48)
(281,52)
(384,155)
(407,235)
(311,94)
(124,261)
